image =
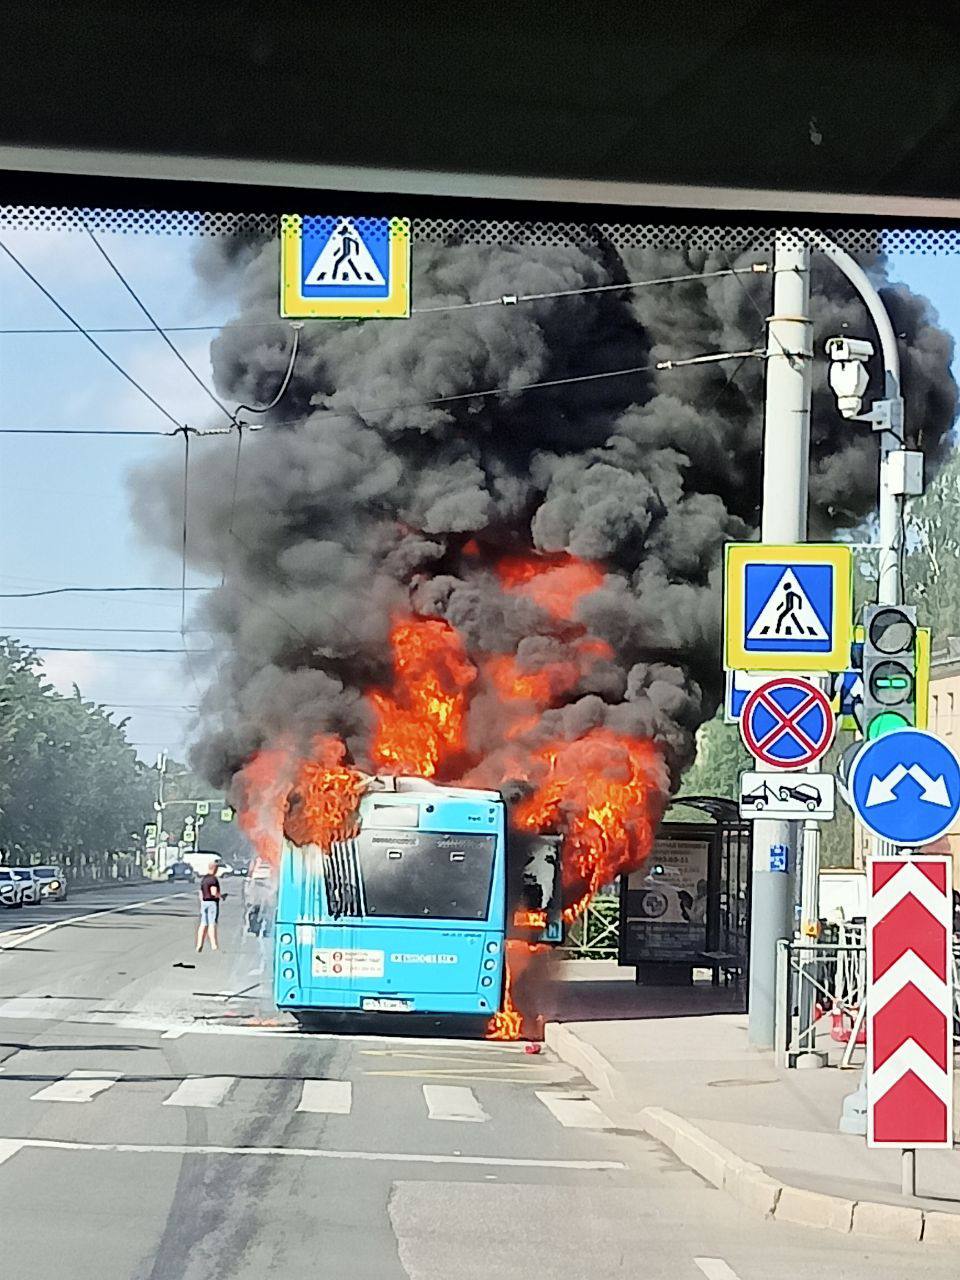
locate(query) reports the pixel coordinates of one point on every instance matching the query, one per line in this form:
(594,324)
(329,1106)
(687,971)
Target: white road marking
(331,1097)
(200,1091)
(78,1086)
(573,1110)
(715,1269)
(318,1153)
(28,935)
(9,1147)
(453,1102)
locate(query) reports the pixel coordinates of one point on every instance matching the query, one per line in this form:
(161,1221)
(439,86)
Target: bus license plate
(386,1005)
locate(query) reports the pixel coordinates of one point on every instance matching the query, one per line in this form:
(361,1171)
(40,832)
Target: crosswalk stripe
(78,1086)
(200,1091)
(453,1102)
(334,1097)
(573,1110)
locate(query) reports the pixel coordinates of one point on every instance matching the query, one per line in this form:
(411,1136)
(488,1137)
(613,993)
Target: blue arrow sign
(905,787)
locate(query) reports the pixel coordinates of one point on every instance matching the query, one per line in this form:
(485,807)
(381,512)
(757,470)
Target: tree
(71,786)
(932,570)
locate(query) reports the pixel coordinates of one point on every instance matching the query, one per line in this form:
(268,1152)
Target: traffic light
(889,668)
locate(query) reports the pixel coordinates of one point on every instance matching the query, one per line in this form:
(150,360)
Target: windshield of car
(6,875)
(21,873)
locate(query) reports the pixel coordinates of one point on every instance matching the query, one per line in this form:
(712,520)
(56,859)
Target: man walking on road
(209,908)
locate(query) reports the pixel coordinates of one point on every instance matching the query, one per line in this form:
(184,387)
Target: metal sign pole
(786,449)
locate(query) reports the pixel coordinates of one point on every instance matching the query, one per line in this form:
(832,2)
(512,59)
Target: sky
(65,517)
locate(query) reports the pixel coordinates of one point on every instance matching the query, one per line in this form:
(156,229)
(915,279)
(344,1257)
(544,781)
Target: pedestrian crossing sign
(340,268)
(787,608)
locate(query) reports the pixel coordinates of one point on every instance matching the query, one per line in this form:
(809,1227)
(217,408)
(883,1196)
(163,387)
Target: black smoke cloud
(360,499)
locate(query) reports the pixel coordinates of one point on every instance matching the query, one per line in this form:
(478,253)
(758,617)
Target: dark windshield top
(426,874)
(21,873)
(44,872)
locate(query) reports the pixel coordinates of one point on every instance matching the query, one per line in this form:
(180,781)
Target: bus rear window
(426,874)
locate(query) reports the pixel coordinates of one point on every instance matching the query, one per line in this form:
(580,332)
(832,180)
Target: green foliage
(70,784)
(932,570)
(721,757)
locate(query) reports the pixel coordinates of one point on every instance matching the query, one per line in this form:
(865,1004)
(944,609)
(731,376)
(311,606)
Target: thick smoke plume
(365,501)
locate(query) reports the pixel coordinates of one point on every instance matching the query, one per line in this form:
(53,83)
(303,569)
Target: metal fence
(821,999)
(593,935)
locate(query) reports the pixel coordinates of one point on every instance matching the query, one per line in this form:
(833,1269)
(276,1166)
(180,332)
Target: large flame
(603,792)
(323,804)
(419,723)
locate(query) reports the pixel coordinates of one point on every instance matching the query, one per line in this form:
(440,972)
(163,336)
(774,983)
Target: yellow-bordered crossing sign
(340,268)
(789,607)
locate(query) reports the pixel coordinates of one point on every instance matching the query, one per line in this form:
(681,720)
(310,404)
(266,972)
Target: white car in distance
(11,889)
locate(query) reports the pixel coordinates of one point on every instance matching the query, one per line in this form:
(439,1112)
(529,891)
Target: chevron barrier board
(910,1002)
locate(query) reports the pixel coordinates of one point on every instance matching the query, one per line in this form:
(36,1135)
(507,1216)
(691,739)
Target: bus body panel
(341,942)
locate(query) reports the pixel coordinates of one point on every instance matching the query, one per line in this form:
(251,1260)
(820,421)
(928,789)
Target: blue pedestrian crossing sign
(788,608)
(905,787)
(340,268)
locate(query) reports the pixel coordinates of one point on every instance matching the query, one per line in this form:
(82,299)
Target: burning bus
(406,909)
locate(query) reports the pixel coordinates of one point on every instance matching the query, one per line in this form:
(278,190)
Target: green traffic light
(887,722)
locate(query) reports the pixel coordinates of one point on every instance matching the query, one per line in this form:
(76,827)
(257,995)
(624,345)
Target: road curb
(748,1183)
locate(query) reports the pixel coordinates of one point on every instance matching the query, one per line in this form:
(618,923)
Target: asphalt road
(158,1122)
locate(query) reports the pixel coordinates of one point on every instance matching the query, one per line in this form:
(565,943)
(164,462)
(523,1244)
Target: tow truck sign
(787,795)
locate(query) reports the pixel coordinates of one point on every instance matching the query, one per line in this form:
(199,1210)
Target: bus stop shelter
(688,906)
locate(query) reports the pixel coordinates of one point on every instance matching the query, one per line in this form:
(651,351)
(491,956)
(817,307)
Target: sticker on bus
(347,962)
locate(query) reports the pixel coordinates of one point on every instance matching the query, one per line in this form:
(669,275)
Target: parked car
(32,894)
(11,889)
(180,871)
(53,883)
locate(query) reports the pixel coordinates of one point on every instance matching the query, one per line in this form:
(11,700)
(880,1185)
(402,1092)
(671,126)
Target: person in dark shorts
(209,908)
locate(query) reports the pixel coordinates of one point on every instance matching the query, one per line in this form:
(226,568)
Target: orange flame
(555,583)
(262,786)
(419,725)
(323,802)
(605,792)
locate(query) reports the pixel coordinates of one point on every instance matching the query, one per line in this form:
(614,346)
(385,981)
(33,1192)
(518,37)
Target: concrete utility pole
(786,452)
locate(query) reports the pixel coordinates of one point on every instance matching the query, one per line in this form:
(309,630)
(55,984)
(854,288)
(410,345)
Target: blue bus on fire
(409,914)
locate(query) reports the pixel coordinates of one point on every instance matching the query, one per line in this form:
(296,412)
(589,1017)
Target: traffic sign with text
(787,723)
(787,607)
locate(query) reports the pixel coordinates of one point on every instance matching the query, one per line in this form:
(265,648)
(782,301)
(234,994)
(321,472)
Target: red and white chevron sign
(910,1002)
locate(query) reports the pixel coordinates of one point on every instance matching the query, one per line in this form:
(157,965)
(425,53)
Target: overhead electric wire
(60,591)
(180,357)
(93,342)
(506,299)
(78,431)
(710,357)
(82,648)
(162,631)
(659,366)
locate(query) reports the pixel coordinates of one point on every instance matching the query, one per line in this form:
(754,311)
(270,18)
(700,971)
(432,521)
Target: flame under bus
(407,915)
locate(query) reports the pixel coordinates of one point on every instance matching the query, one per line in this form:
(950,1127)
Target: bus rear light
(489,964)
(493,947)
(486,982)
(286,956)
(288,974)
(286,938)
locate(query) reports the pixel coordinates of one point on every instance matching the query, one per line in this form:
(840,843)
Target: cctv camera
(849,349)
(848,381)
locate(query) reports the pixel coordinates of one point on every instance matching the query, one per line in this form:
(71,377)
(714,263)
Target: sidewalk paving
(675,1061)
